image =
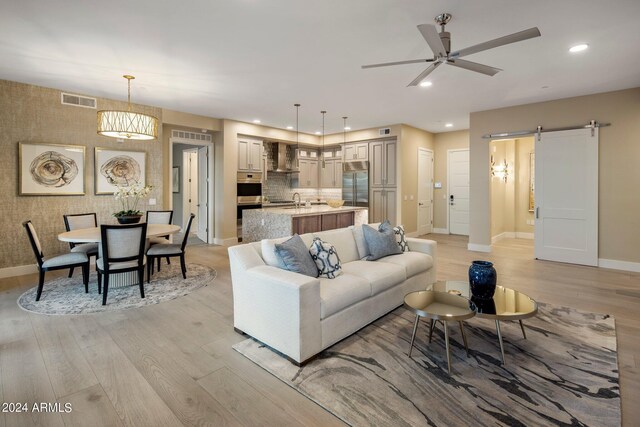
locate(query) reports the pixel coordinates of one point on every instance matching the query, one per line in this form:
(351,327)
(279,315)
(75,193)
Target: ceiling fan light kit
(440,44)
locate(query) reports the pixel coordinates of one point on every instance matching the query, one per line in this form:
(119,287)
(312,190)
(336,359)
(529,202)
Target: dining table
(92,235)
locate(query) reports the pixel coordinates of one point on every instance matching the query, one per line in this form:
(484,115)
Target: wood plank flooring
(172,363)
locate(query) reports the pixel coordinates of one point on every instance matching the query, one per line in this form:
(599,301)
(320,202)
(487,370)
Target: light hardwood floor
(172,363)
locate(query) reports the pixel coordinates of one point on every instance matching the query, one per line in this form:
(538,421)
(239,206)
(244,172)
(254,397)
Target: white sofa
(299,316)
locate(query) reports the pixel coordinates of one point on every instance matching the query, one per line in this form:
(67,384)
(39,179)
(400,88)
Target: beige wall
(443,142)
(619,174)
(524,146)
(34,114)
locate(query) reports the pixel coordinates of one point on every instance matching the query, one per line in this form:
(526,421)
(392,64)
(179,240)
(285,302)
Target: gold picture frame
(118,167)
(46,169)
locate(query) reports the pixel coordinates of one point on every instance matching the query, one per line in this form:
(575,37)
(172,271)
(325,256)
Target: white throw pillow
(269,255)
(326,258)
(402,242)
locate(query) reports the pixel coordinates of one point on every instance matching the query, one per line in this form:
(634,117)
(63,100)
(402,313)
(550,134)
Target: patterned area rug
(564,373)
(66,295)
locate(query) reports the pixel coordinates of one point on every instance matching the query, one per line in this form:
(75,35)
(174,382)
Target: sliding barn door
(566,196)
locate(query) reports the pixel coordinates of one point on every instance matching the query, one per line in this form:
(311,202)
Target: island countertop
(275,222)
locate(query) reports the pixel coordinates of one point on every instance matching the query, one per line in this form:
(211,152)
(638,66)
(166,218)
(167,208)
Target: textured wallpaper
(34,114)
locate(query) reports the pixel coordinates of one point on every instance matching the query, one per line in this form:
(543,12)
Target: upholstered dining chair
(78,221)
(170,250)
(159,217)
(122,250)
(60,262)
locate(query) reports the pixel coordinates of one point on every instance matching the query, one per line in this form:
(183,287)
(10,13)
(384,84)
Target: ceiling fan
(440,44)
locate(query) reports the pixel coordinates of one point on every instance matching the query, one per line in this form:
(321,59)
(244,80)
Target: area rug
(66,295)
(564,373)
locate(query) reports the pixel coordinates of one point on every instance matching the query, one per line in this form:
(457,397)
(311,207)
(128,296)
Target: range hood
(280,161)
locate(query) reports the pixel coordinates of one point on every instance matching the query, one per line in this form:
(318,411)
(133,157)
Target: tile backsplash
(278,187)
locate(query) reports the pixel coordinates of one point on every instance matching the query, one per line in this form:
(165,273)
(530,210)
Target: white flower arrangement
(129,196)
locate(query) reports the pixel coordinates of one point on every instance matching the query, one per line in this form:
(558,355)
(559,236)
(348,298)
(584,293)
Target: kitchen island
(271,223)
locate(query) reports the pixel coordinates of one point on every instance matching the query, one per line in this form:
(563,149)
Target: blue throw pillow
(296,257)
(381,242)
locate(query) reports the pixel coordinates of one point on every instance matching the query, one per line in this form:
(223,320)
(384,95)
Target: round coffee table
(439,306)
(506,304)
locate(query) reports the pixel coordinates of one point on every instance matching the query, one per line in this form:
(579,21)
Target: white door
(203,194)
(566,197)
(190,197)
(458,184)
(425,191)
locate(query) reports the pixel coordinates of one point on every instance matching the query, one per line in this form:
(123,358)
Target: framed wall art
(176,179)
(51,169)
(119,167)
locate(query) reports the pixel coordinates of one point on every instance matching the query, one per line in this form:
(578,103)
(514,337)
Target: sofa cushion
(326,257)
(296,257)
(413,262)
(342,239)
(380,275)
(380,242)
(341,292)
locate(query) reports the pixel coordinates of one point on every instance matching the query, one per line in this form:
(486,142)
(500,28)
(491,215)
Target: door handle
(537,212)
(420,204)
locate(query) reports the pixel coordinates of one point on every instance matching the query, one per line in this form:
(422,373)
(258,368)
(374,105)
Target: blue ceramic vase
(482,279)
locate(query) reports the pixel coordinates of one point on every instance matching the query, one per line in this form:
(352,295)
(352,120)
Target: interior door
(458,184)
(192,193)
(566,196)
(425,191)
(203,194)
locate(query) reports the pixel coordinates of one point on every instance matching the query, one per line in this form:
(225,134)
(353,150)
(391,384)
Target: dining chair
(60,262)
(122,250)
(159,217)
(78,221)
(170,250)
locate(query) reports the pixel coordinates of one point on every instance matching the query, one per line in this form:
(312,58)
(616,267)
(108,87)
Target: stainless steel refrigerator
(355,183)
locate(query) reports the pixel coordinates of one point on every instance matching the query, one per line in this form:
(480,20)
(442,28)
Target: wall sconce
(500,170)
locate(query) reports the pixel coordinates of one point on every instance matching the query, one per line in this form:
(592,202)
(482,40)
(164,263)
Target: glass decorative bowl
(335,203)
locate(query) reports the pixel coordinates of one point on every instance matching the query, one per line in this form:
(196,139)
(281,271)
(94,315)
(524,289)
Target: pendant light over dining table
(127,124)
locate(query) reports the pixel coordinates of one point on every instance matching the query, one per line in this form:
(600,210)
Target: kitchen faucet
(297,204)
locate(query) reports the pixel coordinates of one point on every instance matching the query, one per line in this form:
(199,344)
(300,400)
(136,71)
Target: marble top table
(88,235)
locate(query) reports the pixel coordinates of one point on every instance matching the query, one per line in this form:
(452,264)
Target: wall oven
(249,192)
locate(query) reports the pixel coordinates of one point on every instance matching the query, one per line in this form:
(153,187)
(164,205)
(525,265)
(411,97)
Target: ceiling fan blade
(501,41)
(474,66)
(424,74)
(386,64)
(430,34)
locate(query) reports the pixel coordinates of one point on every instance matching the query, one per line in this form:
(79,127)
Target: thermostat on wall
(437,185)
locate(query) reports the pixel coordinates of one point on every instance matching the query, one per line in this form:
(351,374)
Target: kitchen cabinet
(357,151)
(308,175)
(331,221)
(383,205)
(306,224)
(382,166)
(331,175)
(249,155)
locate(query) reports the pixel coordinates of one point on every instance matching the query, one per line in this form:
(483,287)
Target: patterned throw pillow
(326,258)
(402,242)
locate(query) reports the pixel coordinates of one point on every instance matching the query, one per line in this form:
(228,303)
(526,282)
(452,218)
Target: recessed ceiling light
(578,48)
(347,128)
(448,125)
(256,121)
(318,132)
(426,84)
(289,127)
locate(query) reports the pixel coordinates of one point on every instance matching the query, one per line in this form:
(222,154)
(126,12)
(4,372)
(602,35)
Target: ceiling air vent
(78,101)
(384,131)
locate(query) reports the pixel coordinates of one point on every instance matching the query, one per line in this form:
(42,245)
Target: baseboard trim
(19,270)
(615,264)
(441,230)
(478,248)
(504,235)
(412,234)
(225,242)
(523,235)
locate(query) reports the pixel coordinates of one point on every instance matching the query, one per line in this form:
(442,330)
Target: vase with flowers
(129,197)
